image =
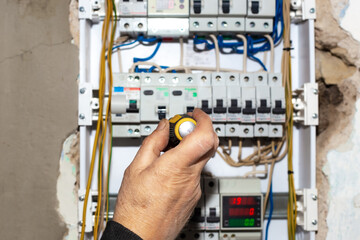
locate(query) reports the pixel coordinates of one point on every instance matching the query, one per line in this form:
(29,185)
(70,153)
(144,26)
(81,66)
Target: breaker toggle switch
(132,107)
(219,106)
(205,106)
(161,111)
(248,108)
(255,7)
(190,109)
(234,107)
(213,218)
(197,216)
(197,6)
(263,107)
(278,108)
(226,6)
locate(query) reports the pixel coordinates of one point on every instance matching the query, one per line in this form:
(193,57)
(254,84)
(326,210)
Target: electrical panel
(250,106)
(142,99)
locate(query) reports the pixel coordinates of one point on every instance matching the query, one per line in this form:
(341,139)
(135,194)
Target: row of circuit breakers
(229,209)
(240,105)
(186,17)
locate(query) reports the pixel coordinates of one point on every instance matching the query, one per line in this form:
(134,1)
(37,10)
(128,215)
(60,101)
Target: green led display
(243,222)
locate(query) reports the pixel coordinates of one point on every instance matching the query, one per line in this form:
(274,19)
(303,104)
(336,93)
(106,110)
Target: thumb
(152,146)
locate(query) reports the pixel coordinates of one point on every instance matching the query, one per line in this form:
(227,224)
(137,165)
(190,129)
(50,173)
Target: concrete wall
(38,105)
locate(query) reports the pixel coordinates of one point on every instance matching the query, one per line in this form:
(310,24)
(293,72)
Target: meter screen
(241,211)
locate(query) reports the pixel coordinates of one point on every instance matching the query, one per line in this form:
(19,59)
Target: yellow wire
(99,128)
(99,211)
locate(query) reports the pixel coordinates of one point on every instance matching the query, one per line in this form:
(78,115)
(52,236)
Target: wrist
(138,225)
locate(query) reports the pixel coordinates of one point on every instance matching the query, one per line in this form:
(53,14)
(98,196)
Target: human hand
(159,193)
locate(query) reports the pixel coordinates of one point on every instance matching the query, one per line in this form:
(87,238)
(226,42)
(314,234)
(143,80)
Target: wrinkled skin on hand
(159,193)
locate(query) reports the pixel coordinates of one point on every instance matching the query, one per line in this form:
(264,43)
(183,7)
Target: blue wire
(151,56)
(251,54)
(125,44)
(270,212)
(135,60)
(140,38)
(252,57)
(278,20)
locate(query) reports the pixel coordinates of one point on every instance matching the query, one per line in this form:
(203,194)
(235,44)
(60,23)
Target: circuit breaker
(132,8)
(188,17)
(238,104)
(168,8)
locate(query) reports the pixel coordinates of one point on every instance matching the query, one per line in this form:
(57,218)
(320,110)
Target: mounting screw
(82,90)
(82,198)
(312,10)
(82,116)
(314,222)
(314,116)
(314,197)
(315,91)
(81,9)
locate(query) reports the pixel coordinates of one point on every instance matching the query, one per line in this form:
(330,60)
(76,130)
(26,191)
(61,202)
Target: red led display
(241,212)
(243,201)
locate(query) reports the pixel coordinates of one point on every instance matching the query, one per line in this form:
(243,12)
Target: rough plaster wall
(67,185)
(38,66)
(338,62)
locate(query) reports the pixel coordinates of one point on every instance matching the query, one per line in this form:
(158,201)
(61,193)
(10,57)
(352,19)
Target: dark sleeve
(116,231)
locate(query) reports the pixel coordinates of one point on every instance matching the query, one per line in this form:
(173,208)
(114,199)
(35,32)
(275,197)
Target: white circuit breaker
(239,104)
(203,15)
(168,8)
(186,17)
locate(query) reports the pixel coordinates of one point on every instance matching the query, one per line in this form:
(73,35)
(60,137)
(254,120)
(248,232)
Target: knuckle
(127,172)
(208,140)
(146,141)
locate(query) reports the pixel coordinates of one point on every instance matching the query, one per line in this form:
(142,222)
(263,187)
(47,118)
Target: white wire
(243,38)
(272,54)
(217,51)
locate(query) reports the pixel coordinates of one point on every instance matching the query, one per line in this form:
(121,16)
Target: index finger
(197,144)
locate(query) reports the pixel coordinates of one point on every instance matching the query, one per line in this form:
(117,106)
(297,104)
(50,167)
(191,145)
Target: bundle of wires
(255,45)
(286,70)
(103,125)
(142,39)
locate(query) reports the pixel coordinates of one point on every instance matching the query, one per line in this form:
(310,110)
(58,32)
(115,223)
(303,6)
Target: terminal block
(306,104)
(307,207)
(303,10)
